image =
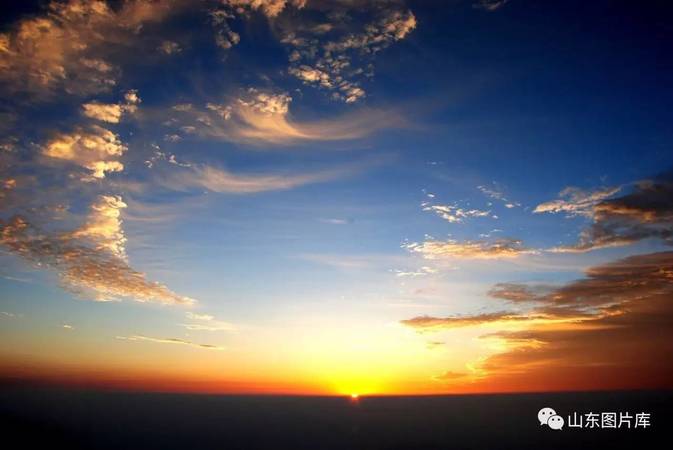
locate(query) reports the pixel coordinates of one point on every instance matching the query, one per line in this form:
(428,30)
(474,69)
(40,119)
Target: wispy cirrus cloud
(428,323)
(495,192)
(217,179)
(258,117)
(489,5)
(175,341)
(206,322)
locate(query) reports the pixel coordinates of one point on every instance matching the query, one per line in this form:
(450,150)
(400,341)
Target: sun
(355,396)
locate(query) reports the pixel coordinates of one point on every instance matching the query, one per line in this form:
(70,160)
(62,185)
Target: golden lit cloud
(112,112)
(333,64)
(264,118)
(95,148)
(427,323)
(90,261)
(62,48)
(270,8)
(104,226)
(498,249)
(618,319)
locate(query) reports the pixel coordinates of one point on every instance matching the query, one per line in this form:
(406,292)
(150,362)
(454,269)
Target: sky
(336,197)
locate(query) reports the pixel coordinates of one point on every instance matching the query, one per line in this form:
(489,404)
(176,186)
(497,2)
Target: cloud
(495,192)
(112,112)
(628,334)
(618,319)
(498,249)
(450,375)
(453,213)
(139,337)
(94,148)
(576,202)
(215,179)
(336,221)
(489,5)
(228,10)
(270,8)
(63,48)
(518,293)
(644,213)
(90,260)
(431,345)
(427,323)
(338,64)
(169,48)
(259,117)
(206,322)
(103,225)
(423,271)
(195,316)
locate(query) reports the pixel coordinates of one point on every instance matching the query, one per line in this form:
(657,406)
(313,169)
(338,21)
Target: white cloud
(455,214)
(206,322)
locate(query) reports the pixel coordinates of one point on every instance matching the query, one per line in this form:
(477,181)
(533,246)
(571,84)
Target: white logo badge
(547,416)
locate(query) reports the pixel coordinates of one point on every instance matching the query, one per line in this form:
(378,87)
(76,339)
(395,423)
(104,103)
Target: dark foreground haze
(52,417)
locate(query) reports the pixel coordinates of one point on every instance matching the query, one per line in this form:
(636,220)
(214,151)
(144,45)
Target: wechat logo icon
(547,416)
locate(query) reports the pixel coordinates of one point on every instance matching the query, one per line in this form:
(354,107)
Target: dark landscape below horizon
(71,418)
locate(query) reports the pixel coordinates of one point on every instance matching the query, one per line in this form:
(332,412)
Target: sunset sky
(336,197)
